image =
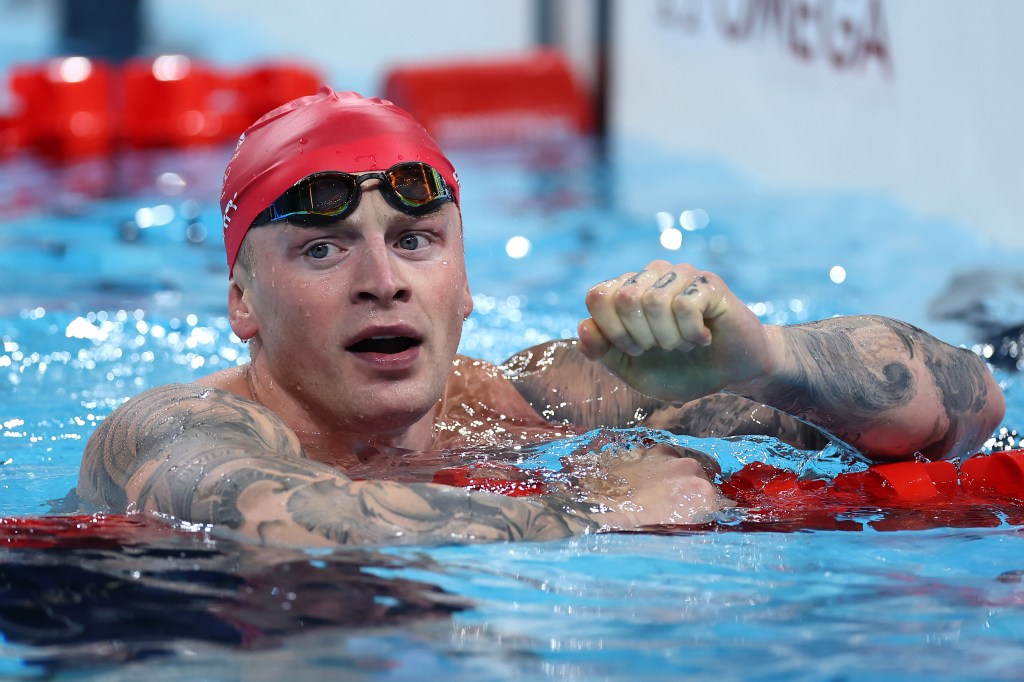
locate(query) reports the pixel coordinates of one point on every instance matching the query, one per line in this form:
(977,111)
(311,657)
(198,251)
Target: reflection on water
(90,590)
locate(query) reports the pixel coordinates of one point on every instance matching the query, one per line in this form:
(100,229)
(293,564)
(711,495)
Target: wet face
(354,323)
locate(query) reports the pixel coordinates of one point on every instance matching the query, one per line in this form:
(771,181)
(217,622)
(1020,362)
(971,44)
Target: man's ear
(240,315)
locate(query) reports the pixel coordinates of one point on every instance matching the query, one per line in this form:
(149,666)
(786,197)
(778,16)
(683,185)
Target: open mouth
(385,345)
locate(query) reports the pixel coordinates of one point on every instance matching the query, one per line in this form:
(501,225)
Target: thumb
(593,343)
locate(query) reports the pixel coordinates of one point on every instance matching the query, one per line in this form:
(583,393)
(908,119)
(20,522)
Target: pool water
(101,298)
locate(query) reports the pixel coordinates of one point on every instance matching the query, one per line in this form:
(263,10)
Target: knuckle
(654,299)
(597,295)
(708,278)
(659,265)
(626,299)
(681,305)
(689,467)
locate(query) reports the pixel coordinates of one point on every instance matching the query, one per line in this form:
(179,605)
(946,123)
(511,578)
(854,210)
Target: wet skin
(353,325)
(353,328)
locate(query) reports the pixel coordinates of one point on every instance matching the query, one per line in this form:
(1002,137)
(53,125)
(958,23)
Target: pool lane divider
(984,491)
(999,475)
(530,97)
(73,107)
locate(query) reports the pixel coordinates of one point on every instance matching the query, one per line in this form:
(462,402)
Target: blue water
(94,308)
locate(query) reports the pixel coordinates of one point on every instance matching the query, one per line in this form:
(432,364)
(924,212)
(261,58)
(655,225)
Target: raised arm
(883,386)
(678,335)
(207,456)
(565,386)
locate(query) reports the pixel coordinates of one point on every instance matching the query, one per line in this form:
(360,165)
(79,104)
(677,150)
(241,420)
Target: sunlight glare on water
(97,308)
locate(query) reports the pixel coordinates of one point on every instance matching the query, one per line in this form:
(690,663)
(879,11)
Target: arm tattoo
(836,370)
(429,512)
(723,414)
(849,374)
(207,456)
(963,382)
(563,385)
(150,426)
(864,381)
(269,498)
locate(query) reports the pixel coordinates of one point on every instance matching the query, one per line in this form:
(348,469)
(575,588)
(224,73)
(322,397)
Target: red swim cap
(339,131)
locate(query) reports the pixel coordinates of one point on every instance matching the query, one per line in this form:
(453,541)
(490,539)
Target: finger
(661,319)
(605,313)
(632,310)
(689,309)
(708,464)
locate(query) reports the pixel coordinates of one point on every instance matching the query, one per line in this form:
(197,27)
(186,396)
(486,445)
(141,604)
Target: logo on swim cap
(228,208)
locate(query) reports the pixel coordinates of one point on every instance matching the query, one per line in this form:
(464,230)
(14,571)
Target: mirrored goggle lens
(417,184)
(415,188)
(321,194)
(326,194)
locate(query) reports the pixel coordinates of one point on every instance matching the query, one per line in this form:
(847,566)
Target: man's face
(356,321)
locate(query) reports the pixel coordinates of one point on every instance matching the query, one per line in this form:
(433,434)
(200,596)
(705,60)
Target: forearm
(882,386)
(206,456)
(562,384)
(278,501)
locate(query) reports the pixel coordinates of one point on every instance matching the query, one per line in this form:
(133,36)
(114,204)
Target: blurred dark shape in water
(991,302)
(81,591)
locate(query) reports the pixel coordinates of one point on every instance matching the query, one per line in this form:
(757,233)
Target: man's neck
(331,443)
(346,449)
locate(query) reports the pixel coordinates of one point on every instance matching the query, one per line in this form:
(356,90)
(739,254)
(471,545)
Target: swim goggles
(414,188)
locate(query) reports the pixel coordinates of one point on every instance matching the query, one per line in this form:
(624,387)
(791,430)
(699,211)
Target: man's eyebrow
(314,222)
(401,218)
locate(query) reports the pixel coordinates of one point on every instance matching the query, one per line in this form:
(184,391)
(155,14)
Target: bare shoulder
(166,421)
(485,385)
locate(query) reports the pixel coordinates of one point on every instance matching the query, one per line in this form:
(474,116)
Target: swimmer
(344,241)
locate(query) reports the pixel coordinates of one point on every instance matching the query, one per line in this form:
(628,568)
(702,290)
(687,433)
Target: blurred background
(915,100)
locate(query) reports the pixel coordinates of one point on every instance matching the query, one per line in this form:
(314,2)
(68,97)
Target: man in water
(344,238)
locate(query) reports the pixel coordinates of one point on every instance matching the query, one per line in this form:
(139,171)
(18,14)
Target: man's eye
(411,242)
(319,251)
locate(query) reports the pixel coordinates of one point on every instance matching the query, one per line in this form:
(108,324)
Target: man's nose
(379,277)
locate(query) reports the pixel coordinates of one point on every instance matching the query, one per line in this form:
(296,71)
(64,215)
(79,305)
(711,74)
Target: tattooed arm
(678,336)
(207,456)
(883,386)
(564,386)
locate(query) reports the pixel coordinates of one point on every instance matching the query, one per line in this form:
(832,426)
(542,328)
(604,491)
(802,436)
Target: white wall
(922,101)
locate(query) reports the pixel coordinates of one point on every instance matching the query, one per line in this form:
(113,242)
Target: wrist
(774,367)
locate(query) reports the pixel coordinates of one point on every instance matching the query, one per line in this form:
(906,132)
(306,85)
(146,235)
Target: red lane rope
(985,491)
